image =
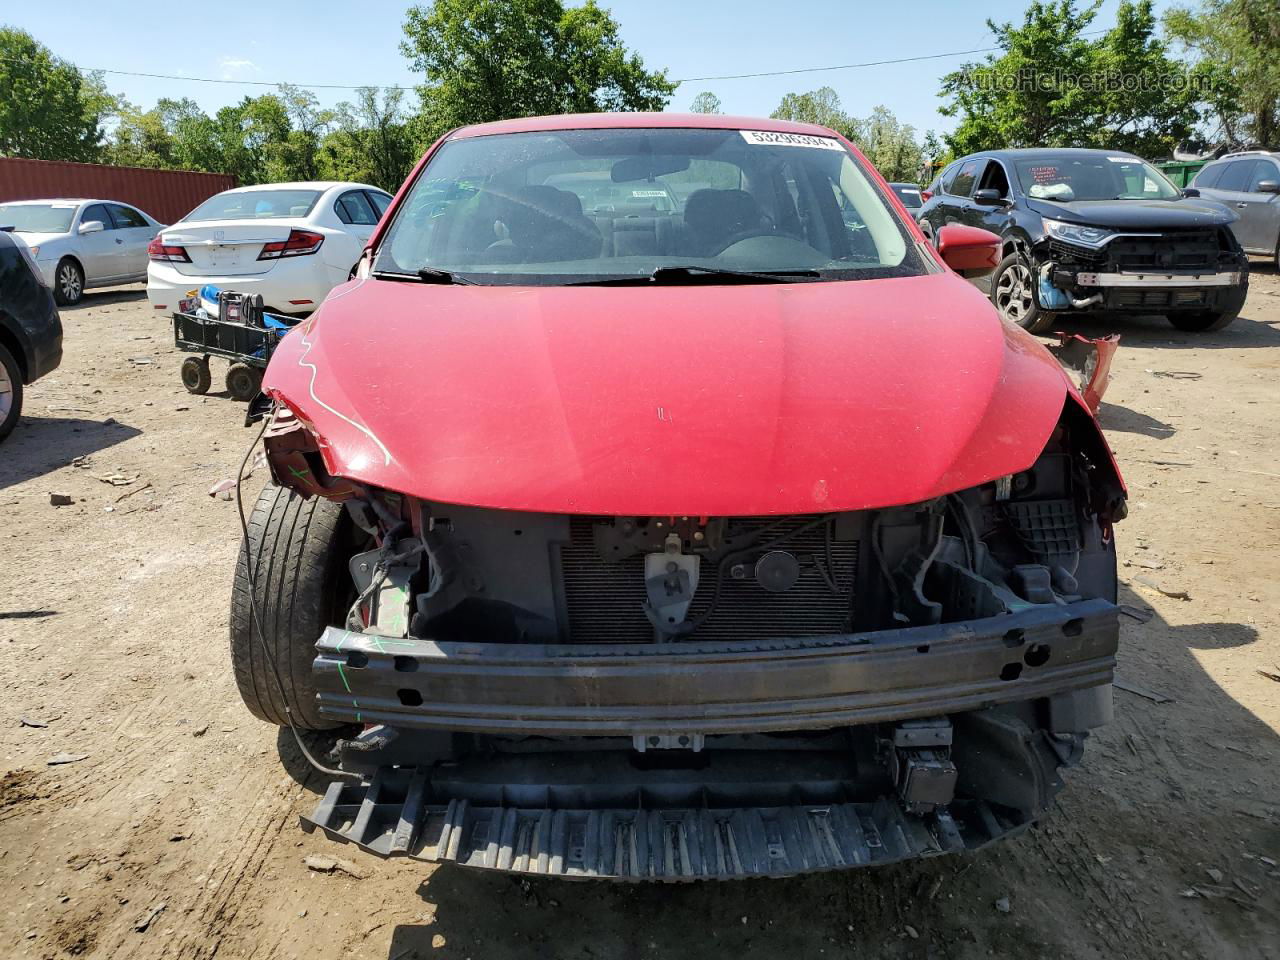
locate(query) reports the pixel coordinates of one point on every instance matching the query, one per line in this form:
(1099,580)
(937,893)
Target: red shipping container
(168,195)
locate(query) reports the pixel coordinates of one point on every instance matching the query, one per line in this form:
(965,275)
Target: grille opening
(604,598)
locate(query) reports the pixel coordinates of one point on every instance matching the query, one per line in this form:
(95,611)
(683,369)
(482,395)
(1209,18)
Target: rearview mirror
(988,197)
(92,226)
(968,251)
(1268,186)
(646,168)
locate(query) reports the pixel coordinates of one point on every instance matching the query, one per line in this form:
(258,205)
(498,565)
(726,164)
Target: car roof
(1024,152)
(905,186)
(77,200)
(605,121)
(305,185)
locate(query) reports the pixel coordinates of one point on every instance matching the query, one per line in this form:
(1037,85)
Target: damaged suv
(729,533)
(1094,230)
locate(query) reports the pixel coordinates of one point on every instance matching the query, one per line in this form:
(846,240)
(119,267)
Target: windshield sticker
(1122,159)
(769,138)
(648,193)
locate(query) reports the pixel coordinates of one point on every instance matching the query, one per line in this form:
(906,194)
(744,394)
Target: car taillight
(163,251)
(299,244)
(926,195)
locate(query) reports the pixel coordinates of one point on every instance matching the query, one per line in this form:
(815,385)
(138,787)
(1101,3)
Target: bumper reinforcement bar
(1158,280)
(689,687)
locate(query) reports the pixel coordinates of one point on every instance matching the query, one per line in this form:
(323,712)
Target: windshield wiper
(693,274)
(435,275)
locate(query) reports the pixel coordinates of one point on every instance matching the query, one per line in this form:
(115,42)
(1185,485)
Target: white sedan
(78,244)
(290,242)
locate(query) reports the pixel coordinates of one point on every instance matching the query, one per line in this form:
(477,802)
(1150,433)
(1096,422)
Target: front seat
(545,224)
(713,217)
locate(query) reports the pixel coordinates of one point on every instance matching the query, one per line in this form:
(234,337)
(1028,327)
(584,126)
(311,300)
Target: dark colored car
(909,194)
(1249,184)
(30,329)
(1094,230)
(742,538)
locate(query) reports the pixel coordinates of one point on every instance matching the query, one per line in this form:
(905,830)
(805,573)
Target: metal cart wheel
(195,374)
(243,381)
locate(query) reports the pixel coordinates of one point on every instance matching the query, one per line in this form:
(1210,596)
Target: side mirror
(1190,192)
(92,226)
(1268,186)
(988,197)
(968,251)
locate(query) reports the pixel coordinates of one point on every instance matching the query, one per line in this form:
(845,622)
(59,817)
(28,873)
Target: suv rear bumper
(717,688)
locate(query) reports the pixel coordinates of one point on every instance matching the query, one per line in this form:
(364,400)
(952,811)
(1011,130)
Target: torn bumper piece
(689,688)
(392,817)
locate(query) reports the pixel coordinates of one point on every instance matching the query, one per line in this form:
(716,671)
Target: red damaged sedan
(657,503)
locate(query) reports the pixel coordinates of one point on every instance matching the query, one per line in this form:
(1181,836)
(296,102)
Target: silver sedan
(78,244)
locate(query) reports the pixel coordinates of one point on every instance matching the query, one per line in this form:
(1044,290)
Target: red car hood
(696,400)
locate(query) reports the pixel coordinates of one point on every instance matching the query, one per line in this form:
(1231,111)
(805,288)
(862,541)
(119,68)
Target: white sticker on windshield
(1121,159)
(771,138)
(648,193)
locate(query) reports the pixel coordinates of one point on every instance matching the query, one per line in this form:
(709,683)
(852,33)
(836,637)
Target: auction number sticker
(771,138)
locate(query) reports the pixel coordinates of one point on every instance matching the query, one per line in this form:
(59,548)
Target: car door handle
(1242,204)
(118,240)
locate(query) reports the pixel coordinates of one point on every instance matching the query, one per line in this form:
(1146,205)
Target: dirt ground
(175,834)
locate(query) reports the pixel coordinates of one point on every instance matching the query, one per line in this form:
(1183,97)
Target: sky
(356,42)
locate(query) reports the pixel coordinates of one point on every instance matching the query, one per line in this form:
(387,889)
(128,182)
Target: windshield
(255,205)
(910,196)
(1067,178)
(37,217)
(584,205)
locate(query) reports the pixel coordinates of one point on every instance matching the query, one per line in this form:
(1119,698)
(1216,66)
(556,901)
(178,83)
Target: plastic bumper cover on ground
(716,688)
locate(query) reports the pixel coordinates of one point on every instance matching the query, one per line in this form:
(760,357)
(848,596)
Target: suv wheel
(1013,293)
(1202,322)
(10,392)
(68,283)
(297,550)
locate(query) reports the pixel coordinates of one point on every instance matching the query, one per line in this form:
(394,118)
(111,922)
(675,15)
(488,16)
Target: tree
(1052,86)
(372,143)
(305,124)
(705,102)
(139,139)
(1237,43)
(890,145)
(821,106)
(491,59)
(48,109)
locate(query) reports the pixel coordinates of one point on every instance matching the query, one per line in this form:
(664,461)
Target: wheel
(243,381)
(10,392)
(297,550)
(195,374)
(1013,293)
(68,282)
(1203,322)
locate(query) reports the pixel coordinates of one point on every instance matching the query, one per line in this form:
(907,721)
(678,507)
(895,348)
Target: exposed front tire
(1203,322)
(10,392)
(1013,293)
(68,282)
(195,375)
(297,552)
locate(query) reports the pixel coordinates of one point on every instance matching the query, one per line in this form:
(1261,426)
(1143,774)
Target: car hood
(703,400)
(1187,213)
(38,239)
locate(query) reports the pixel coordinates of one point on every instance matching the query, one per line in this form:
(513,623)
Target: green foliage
(372,143)
(1052,86)
(1237,43)
(821,106)
(705,102)
(488,60)
(48,109)
(889,144)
